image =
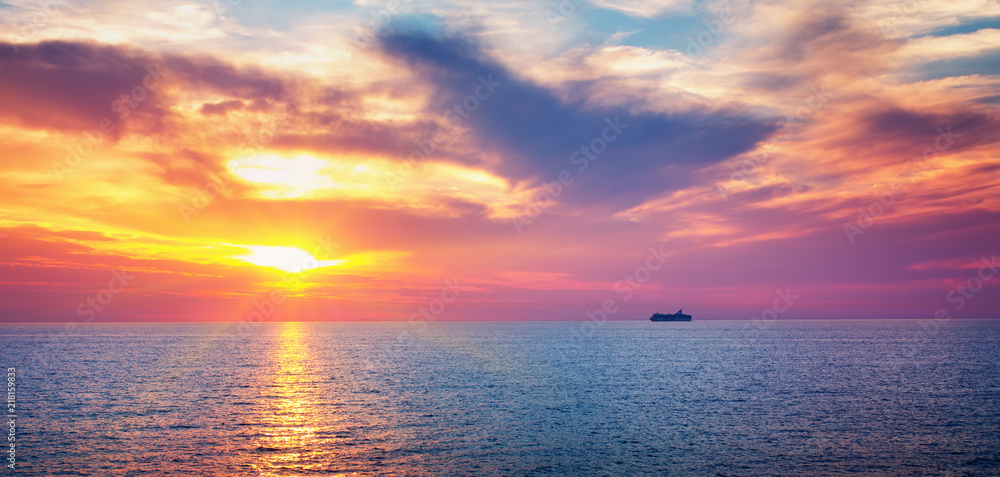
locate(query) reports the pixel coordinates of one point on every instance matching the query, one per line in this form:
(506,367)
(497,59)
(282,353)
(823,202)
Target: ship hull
(659,317)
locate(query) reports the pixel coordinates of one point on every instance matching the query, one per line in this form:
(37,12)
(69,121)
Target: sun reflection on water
(289,439)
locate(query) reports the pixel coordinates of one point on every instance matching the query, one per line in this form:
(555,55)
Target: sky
(244,160)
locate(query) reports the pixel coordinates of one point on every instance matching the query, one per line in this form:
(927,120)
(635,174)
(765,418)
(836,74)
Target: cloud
(645,8)
(74,86)
(536,132)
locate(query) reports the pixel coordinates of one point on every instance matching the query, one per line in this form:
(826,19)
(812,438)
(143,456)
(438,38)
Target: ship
(679,316)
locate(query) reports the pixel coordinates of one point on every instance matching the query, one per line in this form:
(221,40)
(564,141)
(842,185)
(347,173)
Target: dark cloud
(811,30)
(71,86)
(537,132)
(211,74)
(911,132)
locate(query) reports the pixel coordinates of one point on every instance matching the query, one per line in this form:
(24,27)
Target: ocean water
(552,398)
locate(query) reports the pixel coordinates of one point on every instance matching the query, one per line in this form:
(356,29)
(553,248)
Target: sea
(701,398)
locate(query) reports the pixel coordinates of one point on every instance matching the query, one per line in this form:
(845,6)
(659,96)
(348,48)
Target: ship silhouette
(679,316)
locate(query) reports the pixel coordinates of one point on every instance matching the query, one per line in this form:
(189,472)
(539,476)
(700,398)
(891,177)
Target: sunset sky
(176,160)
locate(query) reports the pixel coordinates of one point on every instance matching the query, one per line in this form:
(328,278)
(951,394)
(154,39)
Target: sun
(289,259)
